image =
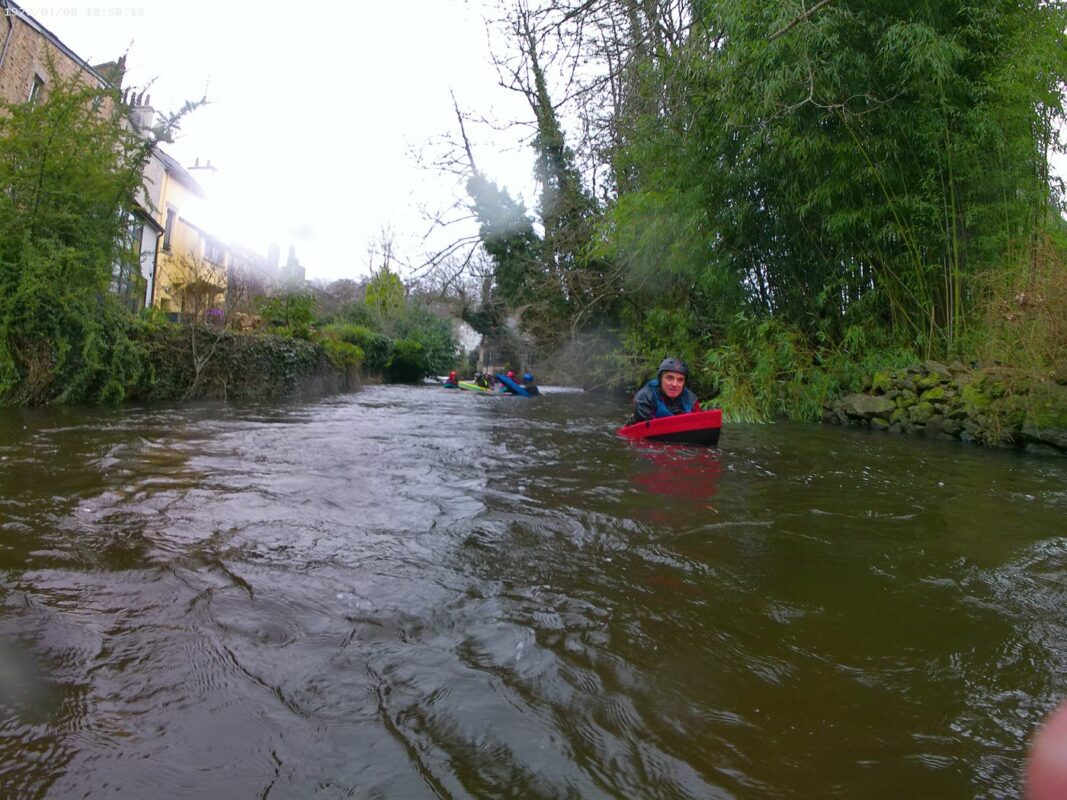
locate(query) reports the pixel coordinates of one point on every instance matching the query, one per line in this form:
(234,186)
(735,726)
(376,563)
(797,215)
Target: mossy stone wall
(989,406)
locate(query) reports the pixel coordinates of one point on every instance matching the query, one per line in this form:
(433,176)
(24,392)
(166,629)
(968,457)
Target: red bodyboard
(699,427)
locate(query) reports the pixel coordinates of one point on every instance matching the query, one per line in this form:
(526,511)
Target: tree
(841,166)
(386,293)
(425,345)
(332,298)
(70,171)
(552,279)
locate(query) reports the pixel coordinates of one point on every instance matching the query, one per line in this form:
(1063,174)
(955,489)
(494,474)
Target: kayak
(472,387)
(515,388)
(699,427)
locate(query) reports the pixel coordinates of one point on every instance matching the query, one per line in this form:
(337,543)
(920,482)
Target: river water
(422,593)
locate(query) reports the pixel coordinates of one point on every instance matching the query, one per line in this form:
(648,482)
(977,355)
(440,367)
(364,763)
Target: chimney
(111,71)
(202,169)
(141,112)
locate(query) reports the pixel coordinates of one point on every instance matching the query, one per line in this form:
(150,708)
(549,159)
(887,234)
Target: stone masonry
(26,47)
(989,406)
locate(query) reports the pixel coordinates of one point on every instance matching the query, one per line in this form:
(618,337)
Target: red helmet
(511,374)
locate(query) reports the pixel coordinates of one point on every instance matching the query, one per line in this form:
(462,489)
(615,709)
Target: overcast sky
(315,110)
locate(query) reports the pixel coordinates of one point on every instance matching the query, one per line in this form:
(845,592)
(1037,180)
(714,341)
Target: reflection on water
(688,472)
(422,593)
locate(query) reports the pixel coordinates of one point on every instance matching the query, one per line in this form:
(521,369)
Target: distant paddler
(529,385)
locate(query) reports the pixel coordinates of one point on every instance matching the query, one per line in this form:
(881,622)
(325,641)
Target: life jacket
(687,399)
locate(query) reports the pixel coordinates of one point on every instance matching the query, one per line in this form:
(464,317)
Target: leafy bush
(1025,317)
(343,354)
(377,348)
(113,361)
(766,370)
(242,365)
(408,363)
(439,346)
(355,314)
(290,314)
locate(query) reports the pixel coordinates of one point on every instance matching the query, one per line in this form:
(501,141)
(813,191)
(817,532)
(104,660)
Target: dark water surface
(422,593)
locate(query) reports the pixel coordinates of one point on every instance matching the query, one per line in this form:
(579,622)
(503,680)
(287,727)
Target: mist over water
(427,593)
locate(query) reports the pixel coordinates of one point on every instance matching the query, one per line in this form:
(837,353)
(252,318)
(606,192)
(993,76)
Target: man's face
(672,383)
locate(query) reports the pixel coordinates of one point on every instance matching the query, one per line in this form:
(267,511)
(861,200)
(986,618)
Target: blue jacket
(650,402)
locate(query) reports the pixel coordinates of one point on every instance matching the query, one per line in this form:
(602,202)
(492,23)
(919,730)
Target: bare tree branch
(463,133)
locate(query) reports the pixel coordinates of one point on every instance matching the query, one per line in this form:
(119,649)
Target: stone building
(26,50)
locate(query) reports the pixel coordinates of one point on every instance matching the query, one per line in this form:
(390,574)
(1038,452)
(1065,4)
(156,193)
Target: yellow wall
(185,259)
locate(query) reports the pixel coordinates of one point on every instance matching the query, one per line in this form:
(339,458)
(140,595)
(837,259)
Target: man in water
(667,394)
(529,385)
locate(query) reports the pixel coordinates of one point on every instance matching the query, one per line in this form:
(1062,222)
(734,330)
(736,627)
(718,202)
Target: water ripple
(417,593)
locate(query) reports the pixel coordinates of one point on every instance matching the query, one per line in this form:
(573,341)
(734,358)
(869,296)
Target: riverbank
(992,406)
(183,363)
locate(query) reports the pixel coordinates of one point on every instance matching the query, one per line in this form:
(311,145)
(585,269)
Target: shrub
(408,363)
(342,354)
(1025,320)
(766,370)
(290,314)
(242,366)
(377,348)
(439,346)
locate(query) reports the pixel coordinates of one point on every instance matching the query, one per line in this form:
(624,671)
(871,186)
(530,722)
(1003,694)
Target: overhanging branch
(802,18)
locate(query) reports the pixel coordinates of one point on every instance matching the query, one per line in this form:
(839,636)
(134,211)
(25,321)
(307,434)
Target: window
(168,229)
(134,229)
(36,88)
(213,252)
(126,279)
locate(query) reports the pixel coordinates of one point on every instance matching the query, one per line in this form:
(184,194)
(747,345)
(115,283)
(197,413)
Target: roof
(180,173)
(147,218)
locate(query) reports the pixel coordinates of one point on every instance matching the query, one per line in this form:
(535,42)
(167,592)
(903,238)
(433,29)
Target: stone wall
(986,406)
